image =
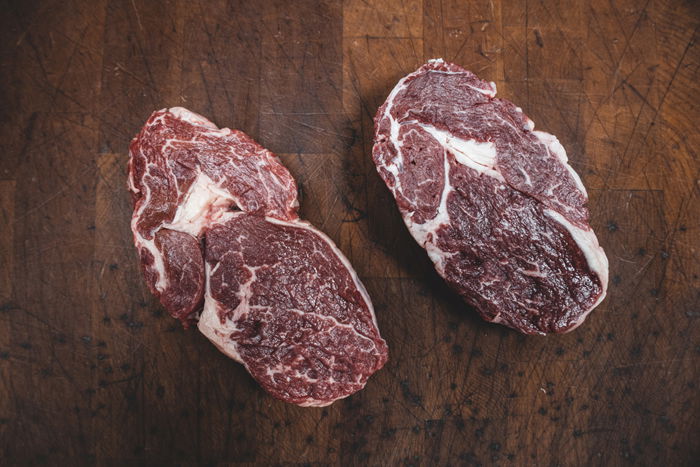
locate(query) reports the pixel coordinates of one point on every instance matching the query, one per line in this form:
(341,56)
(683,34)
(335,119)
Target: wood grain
(7,208)
(93,372)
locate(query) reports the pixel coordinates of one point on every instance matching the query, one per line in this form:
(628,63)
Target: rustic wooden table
(93,371)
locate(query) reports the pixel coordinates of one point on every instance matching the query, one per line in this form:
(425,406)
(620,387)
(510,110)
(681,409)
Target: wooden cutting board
(92,371)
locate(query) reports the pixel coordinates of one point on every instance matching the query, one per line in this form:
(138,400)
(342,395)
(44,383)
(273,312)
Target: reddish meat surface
(221,245)
(496,205)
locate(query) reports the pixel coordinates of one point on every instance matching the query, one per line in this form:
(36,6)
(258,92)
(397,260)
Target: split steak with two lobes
(221,244)
(496,205)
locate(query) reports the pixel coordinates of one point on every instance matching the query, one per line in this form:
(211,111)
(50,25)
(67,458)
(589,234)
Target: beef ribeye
(221,244)
(499,210)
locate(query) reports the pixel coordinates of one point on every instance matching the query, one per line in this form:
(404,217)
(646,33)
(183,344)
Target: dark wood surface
(92,371)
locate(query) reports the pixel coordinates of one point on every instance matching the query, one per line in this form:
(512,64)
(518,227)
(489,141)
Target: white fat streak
(477,155)
(158,261)
(332,319)
(533,273)
(491,92)
(592,251)
(199,198)
(526,176)
(394,170)
(395,127)
(198,120)
(552,143)
(191,117)
(422,231)
(210,325)
(130,179)
(149,244)
(226,216)
(396,165)
(320,403)
(305,225)
(529,125)
(204,202)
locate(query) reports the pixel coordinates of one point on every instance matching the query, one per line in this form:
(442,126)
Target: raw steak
(495,204)
(216,225)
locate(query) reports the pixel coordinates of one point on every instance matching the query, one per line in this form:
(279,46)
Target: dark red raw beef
(308,334)
(496,205)
(221,244)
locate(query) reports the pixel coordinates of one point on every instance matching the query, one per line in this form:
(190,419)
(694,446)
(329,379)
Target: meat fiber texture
(221,245)
(496,205)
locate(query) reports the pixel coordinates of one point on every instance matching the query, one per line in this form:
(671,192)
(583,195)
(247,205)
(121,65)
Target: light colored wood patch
(392,18)
(466,33)
(620,100)
(371,68)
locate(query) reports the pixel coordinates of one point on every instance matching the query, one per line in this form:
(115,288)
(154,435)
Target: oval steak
(221,244)
(496,205)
